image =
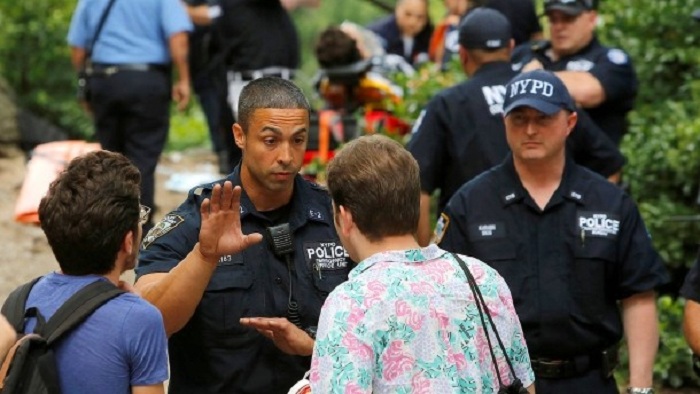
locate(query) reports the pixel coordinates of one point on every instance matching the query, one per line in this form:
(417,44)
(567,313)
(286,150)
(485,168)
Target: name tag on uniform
(598,224)
(230,259)
(492,230)
(325,255)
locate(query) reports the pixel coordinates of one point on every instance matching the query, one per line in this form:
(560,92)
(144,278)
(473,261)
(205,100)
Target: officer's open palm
(220,233)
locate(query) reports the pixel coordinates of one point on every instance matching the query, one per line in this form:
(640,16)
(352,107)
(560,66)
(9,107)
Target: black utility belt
(102,69)
(249,75)
(552,368)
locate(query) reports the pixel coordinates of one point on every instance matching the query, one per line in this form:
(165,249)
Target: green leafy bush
(35,60)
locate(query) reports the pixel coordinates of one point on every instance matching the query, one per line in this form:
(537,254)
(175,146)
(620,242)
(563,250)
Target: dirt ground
(25,253)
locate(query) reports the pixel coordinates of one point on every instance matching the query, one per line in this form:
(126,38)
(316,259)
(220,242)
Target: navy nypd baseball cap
(569,7)
(484,28)
(539,89)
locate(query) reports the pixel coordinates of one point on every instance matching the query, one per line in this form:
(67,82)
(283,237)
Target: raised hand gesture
(220,233)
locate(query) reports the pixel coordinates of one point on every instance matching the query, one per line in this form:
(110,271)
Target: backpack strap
(14,305)
(77,308)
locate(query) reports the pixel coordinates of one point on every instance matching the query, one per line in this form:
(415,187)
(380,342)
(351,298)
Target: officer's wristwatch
(311,331)
(640,390)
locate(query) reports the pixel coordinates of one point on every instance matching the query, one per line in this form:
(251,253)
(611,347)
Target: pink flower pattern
(396,361)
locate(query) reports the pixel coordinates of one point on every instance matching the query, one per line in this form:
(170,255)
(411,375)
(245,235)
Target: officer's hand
(287,337)
(533,65)
(220,233)
(181,94)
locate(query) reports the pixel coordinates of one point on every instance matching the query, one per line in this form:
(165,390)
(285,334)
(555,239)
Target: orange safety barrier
(47,161)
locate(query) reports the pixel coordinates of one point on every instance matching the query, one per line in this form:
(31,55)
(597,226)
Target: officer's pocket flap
(494,250)
(230,279)
(597,249)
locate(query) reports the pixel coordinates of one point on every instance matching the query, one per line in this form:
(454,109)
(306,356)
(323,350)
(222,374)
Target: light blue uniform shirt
(136,31)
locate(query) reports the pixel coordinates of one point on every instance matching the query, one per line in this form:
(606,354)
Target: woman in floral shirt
(406,321)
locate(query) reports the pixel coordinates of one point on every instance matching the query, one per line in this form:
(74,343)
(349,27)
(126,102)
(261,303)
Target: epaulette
(539,46)
(317,186)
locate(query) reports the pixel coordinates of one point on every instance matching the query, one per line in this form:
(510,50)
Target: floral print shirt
(406,322)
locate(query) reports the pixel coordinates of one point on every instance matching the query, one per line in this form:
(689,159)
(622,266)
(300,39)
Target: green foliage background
(663,169)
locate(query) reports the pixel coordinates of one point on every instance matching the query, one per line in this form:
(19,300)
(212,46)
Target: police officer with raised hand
(571,246)
(461,132)
(601,80)
(204,285)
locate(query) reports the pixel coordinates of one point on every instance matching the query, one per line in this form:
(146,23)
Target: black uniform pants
(588,383)
(132,115)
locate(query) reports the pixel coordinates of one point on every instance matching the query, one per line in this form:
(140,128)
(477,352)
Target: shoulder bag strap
(483,310)
(101,24)
(78,307)
(14,306)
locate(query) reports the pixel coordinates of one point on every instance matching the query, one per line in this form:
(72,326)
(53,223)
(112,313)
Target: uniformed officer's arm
(642,334)
(691,325)
(177,293)
(286,336)
(178,52)
(584,87)
(424,221)
(77,58)
(151,389)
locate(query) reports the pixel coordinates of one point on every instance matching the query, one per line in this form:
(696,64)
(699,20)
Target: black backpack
(30,366)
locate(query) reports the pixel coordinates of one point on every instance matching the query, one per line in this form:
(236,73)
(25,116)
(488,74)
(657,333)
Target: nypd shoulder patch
(617,56)
(440,227)
(166,225)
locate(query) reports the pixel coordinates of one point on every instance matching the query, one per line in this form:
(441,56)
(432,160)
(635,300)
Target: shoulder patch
(617,56)
(167,224)
(440,227)
(416,126)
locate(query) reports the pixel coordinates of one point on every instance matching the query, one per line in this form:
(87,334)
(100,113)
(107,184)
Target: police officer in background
(461,132)
(203,295)
(131,75)
(254,39)
(569,244)
(601,80)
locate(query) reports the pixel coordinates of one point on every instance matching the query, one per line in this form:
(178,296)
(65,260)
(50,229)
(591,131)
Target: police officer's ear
(238,135)
(463,57)
(571,120)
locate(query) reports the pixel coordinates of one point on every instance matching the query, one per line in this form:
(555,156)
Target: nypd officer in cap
(204,289)
(571,246)
(601,80)
(461,133)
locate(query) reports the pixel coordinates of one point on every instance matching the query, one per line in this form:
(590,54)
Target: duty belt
(109,69)
(550,368)
(249,75)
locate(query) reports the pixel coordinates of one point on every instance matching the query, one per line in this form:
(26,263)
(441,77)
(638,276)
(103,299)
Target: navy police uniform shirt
(611,66)
(461,133)
(691,285)
(566,265)
(213,353)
